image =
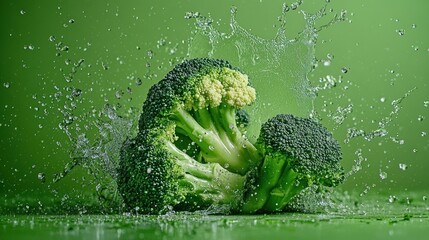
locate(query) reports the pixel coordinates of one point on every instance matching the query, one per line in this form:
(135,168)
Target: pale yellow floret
(237,93)
(209,93)
(224,85)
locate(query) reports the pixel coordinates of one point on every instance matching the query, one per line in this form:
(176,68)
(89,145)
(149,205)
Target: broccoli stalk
(299,153)
(208,181)
(215,131)
(289,185)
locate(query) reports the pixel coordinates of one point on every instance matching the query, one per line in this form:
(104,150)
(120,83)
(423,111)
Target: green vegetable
(191,152)
(298,153)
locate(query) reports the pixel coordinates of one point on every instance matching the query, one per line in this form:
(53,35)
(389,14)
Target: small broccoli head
(310,148)
(298,153)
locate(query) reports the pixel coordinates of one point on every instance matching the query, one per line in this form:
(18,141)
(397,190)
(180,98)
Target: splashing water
(281,63)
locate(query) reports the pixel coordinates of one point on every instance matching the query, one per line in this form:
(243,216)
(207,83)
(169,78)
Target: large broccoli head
(189,152)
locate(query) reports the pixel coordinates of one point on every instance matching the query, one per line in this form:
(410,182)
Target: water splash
(278,63)
(381,130)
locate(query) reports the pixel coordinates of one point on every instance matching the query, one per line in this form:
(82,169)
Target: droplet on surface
(6,85)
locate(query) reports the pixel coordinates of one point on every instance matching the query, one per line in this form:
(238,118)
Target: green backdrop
(97,52)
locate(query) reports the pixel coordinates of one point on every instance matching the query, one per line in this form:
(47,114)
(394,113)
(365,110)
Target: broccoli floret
(298,153)
(189,152)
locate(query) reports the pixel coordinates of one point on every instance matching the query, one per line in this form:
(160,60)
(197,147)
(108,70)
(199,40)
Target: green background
(116,39)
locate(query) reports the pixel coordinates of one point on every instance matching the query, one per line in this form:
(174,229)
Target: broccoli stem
(215,131)
(189,165)
(289,185)
(268,177)
(208,180)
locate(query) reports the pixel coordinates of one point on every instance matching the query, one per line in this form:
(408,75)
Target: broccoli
(191,151)
(298,153)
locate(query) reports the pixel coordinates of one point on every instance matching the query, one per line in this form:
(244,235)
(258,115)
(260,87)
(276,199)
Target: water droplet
(403,166)
(71,21)
(423,134)
(401,32)
(413,25)
(426,103)
(139,81)
(6,85)
(52,38)
(326,63)
(150,54)
(161,42)
(189,15)
(22,12)
(41,176)
(105,66)
(119,94)
(392,199)
(211,148)
(383,175)
(233,9)
(76,92)
(415,150)
(344,69)
(149,170)
(420,118)
(383,99)
(425,198)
